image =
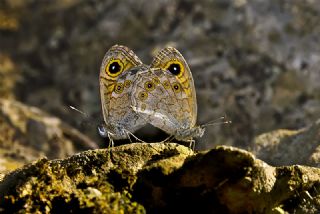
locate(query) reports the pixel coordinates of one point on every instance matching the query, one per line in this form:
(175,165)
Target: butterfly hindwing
(154,102)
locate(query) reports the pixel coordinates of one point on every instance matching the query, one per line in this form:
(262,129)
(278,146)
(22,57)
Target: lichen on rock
(160,177)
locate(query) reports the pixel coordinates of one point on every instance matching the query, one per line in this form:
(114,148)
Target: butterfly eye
(175,67)
(149,85)
(114,67)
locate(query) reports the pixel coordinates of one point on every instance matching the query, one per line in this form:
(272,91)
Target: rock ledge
(139,177)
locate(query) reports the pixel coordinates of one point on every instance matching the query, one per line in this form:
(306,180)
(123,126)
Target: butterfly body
(188,133)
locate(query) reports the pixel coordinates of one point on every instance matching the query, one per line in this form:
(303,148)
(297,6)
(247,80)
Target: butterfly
(117,73)
(134,94)
(164,95)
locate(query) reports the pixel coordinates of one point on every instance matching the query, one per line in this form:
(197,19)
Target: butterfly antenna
(87,119)
(79,111)
(217,122)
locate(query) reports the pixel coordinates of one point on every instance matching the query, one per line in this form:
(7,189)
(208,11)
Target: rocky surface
(287,147)
(27,134)
(8,76)
(139,178)
(256,61)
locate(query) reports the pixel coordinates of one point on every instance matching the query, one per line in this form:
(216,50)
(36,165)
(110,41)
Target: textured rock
(8,77)
(27,134)
(287,147)
(160,178)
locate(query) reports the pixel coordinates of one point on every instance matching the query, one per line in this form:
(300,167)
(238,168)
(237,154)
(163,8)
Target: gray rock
(287,147)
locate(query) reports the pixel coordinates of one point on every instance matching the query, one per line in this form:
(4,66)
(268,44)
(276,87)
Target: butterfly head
(189,133)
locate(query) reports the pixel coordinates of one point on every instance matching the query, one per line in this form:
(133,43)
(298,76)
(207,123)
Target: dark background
(255,61)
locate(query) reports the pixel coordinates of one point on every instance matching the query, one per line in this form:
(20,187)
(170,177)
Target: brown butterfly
(117,73)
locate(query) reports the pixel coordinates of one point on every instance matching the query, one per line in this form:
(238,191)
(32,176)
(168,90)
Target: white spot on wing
(153,113)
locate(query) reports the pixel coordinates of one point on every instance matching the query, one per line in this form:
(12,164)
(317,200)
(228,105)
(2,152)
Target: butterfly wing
(171,59)
(164,95)
(117,72)
(160,99)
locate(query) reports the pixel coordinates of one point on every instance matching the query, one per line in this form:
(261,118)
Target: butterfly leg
(163,141)
(128,136)
(167,139)
(135,137)
(111,142)
(192,144)
(138,139)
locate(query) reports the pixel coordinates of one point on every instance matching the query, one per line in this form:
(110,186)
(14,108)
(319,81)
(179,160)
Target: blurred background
(255,61)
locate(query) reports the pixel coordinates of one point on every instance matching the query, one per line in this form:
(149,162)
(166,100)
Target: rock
(8,75)
(162,178)
(287,147)
(27,134)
